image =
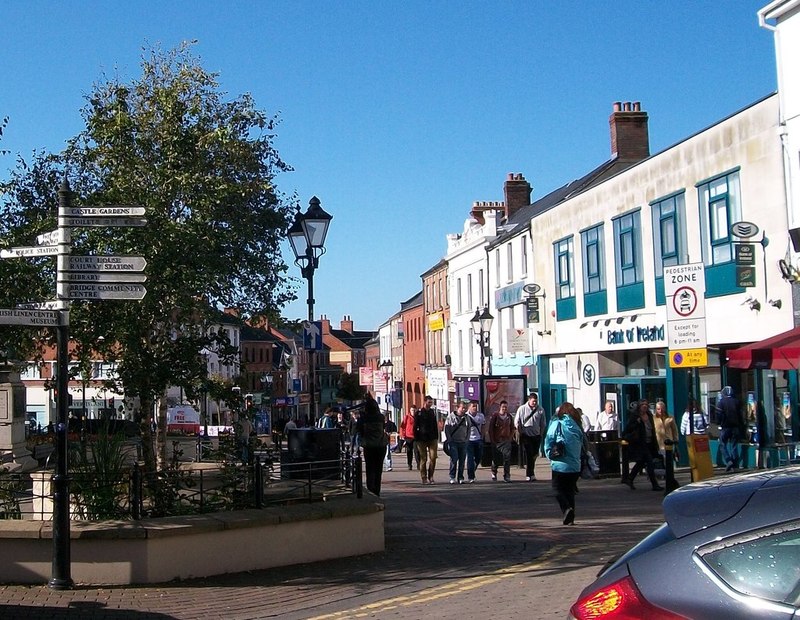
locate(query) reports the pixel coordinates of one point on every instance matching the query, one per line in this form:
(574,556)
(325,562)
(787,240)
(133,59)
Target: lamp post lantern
(481,327)
(388,374)
(307,238)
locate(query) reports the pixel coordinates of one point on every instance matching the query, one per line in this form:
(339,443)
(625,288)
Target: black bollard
(670,484)
(626,471)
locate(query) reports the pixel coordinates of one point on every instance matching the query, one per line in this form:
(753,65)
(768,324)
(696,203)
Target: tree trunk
(146,425)
(161,437)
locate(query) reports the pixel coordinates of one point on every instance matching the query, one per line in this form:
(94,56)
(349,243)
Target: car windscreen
(764,563)
(656,538)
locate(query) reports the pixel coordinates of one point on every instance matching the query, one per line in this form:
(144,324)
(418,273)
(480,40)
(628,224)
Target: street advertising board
(497,389)
(365,376)
(684,288)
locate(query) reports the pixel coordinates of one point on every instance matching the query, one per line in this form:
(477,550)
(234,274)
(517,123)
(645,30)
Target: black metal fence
(190,489)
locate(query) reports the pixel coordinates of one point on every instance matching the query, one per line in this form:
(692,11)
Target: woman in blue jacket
(566,466)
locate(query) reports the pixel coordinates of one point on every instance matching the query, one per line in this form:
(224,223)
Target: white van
(183,419)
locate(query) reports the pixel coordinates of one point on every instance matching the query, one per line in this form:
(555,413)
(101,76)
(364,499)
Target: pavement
(451,545)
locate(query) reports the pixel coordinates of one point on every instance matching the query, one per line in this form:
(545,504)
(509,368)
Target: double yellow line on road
(453,588)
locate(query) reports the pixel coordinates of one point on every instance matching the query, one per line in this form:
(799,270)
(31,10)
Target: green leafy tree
(349,388)
(204,167)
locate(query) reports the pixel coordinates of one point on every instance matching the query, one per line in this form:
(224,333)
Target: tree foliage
(204,167)
(349,387)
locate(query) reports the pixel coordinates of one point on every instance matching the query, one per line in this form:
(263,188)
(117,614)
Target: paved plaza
(450,551)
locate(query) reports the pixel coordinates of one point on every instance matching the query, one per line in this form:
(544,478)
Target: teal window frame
(593,250)
(669,237)
(628,248)
(564,271)
(719,200)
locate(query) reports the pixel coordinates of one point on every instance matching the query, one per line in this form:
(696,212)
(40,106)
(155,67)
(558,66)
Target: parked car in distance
(729,548)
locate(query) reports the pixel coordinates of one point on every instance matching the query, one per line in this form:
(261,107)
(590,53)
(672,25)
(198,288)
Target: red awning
(781,352)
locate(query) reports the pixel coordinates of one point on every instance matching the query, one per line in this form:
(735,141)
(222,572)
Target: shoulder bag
(559,449)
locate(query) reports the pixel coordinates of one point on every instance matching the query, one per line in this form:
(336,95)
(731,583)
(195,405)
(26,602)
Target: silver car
(730,548)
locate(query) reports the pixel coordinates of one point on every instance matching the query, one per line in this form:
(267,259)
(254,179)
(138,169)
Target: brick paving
(452,550)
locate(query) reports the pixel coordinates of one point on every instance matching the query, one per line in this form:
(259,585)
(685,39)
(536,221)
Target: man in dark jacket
(640,433)
(426,440)
(729,418)
(373,440)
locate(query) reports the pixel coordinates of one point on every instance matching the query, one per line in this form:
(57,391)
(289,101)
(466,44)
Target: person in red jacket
(407,435)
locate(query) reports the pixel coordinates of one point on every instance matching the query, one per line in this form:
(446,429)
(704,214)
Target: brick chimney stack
(517,193)
(347,324)
(326,325)
(629,136)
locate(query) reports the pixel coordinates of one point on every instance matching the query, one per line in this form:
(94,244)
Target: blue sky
(399,115)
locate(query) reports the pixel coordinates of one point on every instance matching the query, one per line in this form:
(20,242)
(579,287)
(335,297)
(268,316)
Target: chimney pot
(617,106)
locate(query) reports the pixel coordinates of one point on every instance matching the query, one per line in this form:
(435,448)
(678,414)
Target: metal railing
(191,489)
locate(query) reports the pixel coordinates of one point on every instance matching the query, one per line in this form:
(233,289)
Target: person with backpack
(426,439)
(456,431)
(373,441)
(501,436)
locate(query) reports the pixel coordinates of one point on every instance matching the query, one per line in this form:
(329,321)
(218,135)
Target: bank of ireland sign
(684,288)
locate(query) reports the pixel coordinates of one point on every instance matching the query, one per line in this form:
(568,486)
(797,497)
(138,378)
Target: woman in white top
(699,419)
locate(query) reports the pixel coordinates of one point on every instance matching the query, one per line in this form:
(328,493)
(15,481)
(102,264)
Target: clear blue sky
(398,115)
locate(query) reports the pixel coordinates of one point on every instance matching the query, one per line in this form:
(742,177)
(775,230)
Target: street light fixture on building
(307,238)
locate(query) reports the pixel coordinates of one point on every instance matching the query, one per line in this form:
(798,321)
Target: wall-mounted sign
(745,253)
(533,309)
(508,296)
(744,230)
(436,321)
(745,276)
(531,289)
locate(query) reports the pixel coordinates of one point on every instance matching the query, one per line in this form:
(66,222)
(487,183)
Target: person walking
(456,432)
(407,435)
(374,441)
(666,429)
(730,420)
(642,444)
(562,445)
(475,441)
(327,421)
(501,436)
(352,428)
(426,439)
(390,428)
(695,423)
(530,421)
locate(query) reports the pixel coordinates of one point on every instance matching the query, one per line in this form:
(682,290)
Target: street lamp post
(481,326)
(388,375)
(307,237)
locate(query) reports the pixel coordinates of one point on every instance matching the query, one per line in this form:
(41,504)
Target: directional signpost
(77,277)
(100,276)
(99,290)
(106,263)
(75,222)
(44,250)
(38,318)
